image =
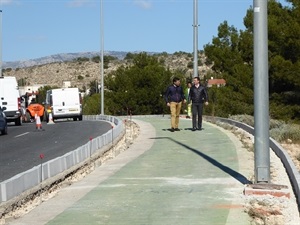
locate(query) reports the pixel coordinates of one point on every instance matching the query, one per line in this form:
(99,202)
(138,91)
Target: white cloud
(6,2)
(144,4)
(78,3)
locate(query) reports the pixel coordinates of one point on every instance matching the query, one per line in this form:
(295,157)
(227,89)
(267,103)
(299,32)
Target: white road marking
(21,134)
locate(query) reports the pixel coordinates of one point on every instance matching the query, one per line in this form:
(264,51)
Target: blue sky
(38,28)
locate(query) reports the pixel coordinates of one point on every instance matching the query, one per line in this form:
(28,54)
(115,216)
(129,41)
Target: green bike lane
(183,177)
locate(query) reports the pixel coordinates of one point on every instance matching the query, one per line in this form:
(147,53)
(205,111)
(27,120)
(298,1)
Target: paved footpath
(165,178)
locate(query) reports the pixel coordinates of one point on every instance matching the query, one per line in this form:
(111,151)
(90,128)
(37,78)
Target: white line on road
(21,134)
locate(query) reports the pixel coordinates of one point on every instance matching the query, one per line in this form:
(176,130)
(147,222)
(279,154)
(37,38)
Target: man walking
(174,97)
(198,95)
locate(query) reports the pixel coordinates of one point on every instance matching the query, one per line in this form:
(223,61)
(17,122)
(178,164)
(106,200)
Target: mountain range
(63,57)
(59,69)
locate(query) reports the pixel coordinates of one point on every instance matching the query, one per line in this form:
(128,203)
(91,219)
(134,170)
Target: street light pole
(195,29)
(261,92)
(102,55)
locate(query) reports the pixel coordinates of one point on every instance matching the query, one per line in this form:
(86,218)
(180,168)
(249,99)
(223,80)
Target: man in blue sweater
(174,98)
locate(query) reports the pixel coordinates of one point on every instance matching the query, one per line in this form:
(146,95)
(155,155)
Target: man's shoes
(194,129)
(200,128)
(177,129)
(172,129)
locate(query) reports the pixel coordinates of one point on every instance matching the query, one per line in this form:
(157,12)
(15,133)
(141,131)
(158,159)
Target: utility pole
(102,61)
(261,93)
(195,29)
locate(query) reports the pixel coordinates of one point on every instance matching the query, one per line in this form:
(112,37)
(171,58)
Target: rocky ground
(294,153)
(264,210)
(267,209)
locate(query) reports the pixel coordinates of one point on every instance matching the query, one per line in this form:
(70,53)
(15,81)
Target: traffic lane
(21,149)
(13,130)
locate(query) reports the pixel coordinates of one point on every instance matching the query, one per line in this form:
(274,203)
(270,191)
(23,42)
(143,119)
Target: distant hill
(63,57)
(57,69)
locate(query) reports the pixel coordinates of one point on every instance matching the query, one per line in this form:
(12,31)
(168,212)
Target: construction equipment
(32,109)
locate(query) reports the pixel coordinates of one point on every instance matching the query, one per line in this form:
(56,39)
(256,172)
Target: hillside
(81,73)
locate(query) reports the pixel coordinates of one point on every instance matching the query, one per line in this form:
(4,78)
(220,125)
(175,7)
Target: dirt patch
(268,209)
(294,152)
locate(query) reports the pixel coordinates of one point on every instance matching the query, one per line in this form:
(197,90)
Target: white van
(63,103)
(10,99)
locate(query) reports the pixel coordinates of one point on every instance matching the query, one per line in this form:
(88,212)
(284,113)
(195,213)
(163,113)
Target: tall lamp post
(102,55)
(261,92)
(195,29)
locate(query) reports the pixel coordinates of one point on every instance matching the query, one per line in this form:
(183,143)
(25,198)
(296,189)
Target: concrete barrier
(71,161)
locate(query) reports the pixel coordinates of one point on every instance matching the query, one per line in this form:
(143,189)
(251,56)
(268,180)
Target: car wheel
(18,121)
(28,117)
(3,132)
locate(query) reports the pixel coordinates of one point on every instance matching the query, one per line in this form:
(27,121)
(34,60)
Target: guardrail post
(42,157)
(91,146)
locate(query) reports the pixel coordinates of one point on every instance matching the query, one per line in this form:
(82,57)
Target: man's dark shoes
(200,128)
(172,129)
(194,129)
(177,129)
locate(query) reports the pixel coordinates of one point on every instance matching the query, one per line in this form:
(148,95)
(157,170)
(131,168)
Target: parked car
(3,122)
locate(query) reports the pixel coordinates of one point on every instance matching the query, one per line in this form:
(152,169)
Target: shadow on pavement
(236,175)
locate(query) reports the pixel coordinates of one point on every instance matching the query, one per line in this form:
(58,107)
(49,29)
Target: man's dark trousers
(197,109)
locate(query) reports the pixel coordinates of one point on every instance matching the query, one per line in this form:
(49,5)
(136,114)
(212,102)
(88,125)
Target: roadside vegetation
(138,86)
(232,54)
(280,130)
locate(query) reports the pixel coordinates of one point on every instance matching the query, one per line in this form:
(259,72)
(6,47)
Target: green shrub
(276,124)
(96,59)
(247,119)
(82,59)
(7,70)
(285,132)
(190,65)
(279,130)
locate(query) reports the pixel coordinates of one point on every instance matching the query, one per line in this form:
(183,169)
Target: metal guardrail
(67,163)
(289,165)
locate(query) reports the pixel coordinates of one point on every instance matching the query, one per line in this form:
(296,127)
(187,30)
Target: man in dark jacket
(174,97)
(198,95)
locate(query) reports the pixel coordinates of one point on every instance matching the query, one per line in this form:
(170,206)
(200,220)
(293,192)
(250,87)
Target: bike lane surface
(183,177)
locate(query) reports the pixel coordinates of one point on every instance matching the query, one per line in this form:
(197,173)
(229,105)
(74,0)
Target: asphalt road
(22,147)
